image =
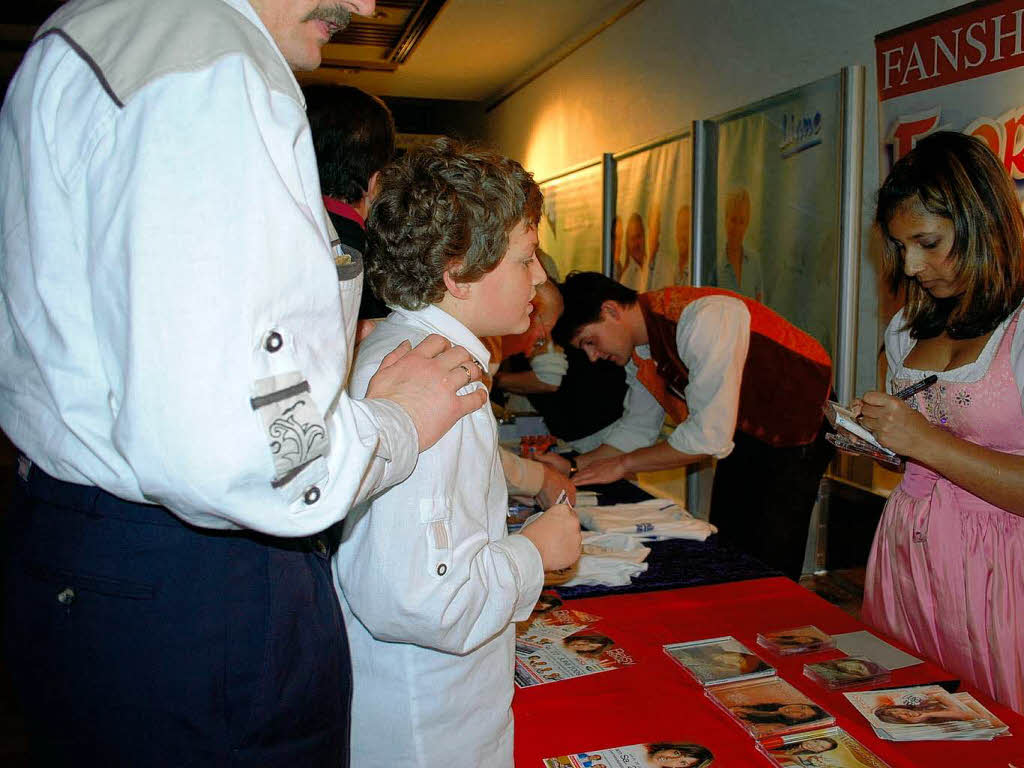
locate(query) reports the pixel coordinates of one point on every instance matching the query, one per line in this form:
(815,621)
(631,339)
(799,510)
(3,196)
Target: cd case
(769,707)
(847,671)
(806,639)
(718,660)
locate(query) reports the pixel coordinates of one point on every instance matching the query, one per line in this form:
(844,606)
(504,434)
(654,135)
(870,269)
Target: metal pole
(851,191)
(699,477)
(610,183)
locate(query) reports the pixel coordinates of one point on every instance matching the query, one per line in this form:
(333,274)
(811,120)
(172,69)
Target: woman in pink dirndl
(946,572)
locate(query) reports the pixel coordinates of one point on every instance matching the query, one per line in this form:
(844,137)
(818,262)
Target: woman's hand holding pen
(894,424)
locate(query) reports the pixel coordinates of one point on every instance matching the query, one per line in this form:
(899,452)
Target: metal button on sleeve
(66,596)
(442,569)
(273,342)
(312,495)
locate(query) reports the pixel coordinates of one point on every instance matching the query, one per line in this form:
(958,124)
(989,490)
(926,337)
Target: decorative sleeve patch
(295,429)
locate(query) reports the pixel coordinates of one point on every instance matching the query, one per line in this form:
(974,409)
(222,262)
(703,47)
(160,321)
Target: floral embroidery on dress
(934,402)
(963,398)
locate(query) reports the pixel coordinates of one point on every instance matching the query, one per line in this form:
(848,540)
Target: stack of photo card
(769,707)
(666,753)
(718,660)
(806,639)
(926,713)
(831,747)
(846,672)
(853,437)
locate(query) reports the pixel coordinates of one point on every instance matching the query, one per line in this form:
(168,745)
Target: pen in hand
(913,389)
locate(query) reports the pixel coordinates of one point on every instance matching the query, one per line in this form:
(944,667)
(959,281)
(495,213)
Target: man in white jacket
(173,353)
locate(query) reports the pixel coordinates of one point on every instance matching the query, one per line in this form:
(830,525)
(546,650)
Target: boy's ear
(611,309)
(458,290)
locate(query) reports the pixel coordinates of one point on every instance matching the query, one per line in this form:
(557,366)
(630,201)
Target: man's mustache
(332,14)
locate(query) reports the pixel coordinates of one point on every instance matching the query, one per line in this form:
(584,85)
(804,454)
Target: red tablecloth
(655,700)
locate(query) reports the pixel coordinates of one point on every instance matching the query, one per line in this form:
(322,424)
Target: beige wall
(670,62)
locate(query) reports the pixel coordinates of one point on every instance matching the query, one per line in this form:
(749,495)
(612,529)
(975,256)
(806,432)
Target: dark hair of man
(583,293)
(444,206)
(353,136)
(957,177)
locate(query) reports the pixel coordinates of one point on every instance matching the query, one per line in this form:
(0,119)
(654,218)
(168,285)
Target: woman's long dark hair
(957,177)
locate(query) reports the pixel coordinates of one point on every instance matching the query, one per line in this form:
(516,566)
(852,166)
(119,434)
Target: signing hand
(424,380)
(554,483)
(602,471)
(894,424)
(556,534)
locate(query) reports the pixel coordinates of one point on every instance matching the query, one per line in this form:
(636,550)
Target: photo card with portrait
(805,639)
(548,660)
(847,672)
(718,660)
(681,752)
(925,713)
(831,747)
(769,707)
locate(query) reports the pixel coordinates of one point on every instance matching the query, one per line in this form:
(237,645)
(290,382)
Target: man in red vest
(740,383)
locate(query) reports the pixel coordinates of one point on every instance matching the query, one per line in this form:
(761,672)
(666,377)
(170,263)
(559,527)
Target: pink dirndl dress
(946,572)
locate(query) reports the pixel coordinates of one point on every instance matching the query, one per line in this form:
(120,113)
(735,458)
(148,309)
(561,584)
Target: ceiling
(474,50)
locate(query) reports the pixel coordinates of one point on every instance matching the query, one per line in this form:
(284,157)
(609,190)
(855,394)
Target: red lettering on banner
(1004,135)
(1013,153)
(906,132)
(986,38)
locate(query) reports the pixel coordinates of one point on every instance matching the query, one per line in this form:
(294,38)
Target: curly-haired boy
(431,581)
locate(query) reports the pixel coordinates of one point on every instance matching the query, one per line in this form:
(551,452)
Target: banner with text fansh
(960,70)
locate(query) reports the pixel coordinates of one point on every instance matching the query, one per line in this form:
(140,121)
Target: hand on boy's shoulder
(424,380)
(556,535)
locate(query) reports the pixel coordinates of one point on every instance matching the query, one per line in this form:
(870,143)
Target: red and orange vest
(786,379)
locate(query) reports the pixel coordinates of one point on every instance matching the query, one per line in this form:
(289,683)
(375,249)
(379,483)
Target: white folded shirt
(650,520)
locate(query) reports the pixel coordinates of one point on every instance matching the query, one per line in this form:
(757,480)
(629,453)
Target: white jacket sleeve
(217,311)
(428,561)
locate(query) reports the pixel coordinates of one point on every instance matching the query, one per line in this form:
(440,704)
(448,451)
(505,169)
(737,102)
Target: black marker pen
(920,386)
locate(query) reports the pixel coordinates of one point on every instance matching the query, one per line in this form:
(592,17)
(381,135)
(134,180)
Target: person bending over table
(944,575)
(743,385)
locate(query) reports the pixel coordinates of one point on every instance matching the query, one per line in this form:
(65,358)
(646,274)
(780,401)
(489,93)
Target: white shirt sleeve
(641,419)
(199,344)
(712,337)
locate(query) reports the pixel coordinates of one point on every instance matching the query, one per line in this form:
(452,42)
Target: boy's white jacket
(430,584)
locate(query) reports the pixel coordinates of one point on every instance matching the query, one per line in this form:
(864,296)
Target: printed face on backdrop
(925,242)
(302,27)
(737,216)
(654,227)
(683,237)
(635,239)
(616,240)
